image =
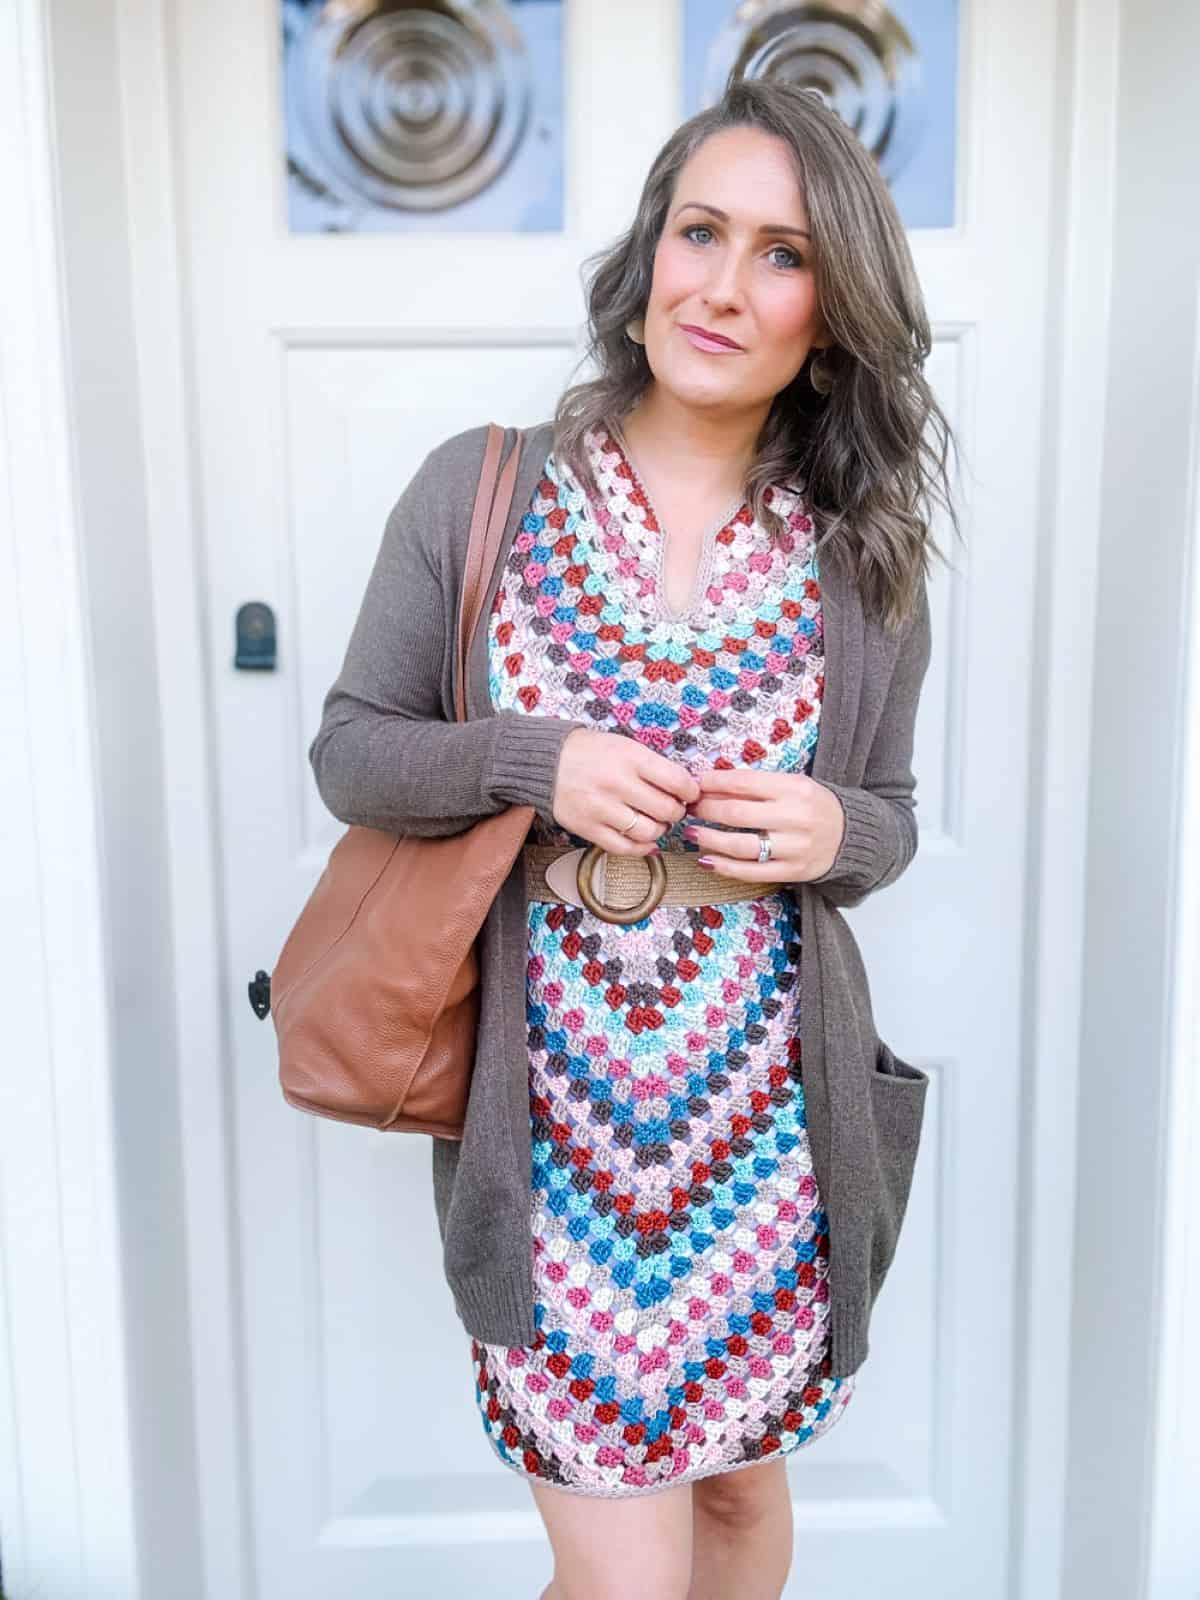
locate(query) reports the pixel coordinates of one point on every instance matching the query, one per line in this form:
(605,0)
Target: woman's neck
(677,442)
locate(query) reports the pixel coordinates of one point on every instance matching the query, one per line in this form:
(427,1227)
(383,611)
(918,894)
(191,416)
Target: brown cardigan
(388,754)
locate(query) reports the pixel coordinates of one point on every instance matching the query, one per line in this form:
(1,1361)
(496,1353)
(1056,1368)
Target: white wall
(67,1520)
(98,1491)
(1131,810)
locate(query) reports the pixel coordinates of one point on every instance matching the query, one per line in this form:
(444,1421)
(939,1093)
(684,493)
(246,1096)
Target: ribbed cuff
(849,1338)
(866,846)
(498,1308)
(525,758)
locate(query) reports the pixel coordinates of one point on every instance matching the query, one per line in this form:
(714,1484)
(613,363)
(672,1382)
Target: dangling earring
(820,375)
(636,329)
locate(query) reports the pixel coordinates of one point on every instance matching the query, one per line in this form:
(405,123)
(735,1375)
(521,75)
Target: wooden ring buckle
(625,914)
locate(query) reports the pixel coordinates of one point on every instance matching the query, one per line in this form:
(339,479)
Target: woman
(687,1154)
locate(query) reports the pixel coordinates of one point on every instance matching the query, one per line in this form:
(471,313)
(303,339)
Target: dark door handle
(255,637)
(259,989)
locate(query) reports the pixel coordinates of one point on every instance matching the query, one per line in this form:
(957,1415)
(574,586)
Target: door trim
(1076,380)
(158,270)
(67,1492)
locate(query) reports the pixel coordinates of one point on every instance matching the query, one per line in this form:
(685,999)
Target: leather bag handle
(493,500)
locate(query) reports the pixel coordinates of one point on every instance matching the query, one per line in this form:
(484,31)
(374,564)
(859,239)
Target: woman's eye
(793,259)
(696,227)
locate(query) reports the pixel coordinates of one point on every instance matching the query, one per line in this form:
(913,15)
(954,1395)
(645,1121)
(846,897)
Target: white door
(325,367)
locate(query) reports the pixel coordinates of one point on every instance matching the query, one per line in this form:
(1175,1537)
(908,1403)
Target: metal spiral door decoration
(855,53)
(412,106)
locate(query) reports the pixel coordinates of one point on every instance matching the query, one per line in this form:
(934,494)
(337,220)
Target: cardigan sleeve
(384,756)
(879,839)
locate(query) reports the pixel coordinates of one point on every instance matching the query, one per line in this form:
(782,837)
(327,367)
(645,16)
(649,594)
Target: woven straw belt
(626,888)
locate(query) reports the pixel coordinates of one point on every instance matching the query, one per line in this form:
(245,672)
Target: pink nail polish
(705,861)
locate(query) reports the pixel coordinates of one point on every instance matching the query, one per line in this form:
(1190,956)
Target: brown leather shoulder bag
(375,995)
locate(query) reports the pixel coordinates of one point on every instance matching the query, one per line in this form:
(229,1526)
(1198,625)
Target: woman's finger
(755,871)
(746,783)
(664,773)
(765,813)
(639,841)
(634,824)
(739,845)
(662,808)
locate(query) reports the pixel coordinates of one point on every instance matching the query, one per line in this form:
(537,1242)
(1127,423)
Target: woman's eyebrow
(723,216)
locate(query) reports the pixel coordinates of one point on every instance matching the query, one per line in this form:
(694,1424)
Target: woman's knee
(743,1497)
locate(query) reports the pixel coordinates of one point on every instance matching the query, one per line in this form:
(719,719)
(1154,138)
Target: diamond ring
(764,845)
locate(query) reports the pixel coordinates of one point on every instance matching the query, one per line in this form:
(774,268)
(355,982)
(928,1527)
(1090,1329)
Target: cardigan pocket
(898,1091)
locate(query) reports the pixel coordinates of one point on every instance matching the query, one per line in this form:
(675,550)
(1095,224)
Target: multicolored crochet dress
(680,1245)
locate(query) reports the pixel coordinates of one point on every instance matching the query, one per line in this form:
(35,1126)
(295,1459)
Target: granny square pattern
(680,1246)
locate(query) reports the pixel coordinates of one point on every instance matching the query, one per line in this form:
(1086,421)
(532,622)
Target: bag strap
(493,500)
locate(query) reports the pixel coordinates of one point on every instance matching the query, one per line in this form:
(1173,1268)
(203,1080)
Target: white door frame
(1074,347)
(1173,1534)
(67,1507)
(69,1495)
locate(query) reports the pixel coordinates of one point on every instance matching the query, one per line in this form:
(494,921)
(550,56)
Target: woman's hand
(805,821)
(604,778)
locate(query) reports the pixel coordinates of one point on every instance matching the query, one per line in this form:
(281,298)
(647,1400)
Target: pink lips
(707,341)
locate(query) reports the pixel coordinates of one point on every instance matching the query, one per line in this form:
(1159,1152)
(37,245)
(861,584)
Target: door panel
(325,368)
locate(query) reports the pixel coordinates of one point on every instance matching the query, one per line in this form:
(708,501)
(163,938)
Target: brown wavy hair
(870,457)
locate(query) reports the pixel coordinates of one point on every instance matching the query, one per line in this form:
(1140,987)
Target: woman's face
(734,259)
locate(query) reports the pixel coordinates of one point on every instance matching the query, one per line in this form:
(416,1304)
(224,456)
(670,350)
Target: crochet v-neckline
(703,568)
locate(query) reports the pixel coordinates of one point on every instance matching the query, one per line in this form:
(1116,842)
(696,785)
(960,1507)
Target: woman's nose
(725,284)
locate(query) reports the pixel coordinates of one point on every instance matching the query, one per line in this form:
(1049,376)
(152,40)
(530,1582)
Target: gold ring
(623,914)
